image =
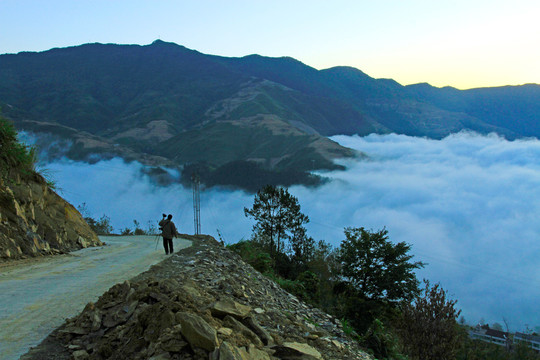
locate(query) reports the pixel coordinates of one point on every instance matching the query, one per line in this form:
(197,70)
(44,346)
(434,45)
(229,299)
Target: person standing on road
(168,231)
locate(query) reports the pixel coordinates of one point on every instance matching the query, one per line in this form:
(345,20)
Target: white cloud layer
(469,205)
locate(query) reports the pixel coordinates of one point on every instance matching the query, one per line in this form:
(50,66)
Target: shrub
(381,342)
(138,230)
(252,253)
(14,156)
(311,283)
(294,287)
(428,326)
(262,262)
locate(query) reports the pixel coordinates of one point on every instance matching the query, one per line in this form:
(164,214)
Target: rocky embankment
(34,221)
(201,303)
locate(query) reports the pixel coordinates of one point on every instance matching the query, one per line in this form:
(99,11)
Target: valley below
(463,202)
(127,132)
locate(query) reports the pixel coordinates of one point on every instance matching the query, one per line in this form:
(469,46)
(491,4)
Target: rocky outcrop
(34,221)
(201,303)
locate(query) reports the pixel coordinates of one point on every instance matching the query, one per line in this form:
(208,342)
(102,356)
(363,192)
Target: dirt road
(37,296)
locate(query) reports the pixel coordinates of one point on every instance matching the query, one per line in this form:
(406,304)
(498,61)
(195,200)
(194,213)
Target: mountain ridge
(145,98)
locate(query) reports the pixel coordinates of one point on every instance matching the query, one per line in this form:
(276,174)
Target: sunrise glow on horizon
(464,44)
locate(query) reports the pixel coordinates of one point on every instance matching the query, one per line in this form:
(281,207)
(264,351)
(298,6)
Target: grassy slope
(224,141)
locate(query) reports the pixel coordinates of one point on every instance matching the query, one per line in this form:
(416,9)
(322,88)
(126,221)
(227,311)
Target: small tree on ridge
(278,217)
(376,268)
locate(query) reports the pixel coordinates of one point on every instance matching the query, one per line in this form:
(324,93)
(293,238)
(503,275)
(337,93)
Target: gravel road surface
(37,295)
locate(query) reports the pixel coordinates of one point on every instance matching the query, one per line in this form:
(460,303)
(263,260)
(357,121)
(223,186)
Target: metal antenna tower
(196,181)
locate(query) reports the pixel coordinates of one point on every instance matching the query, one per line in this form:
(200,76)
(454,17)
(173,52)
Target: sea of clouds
(469,204)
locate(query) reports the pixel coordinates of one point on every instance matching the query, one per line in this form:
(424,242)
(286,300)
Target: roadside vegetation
(16,159)
(102,226)
(368,281)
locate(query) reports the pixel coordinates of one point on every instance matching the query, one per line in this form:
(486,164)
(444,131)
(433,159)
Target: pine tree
(279,219)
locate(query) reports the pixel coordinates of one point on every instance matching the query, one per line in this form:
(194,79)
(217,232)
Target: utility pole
(196,181)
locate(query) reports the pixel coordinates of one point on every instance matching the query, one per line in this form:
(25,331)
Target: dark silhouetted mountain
(514,108)
(171,104)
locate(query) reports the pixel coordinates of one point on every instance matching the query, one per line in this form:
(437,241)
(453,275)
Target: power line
(195,182)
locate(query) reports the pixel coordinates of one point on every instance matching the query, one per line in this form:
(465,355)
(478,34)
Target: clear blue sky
(461,43)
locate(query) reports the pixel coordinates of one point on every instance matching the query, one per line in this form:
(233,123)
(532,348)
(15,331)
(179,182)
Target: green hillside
(164,104)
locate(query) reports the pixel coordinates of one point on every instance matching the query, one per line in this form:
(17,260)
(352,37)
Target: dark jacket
(168,229)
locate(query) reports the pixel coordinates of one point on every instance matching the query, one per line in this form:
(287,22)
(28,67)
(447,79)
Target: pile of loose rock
(201,303)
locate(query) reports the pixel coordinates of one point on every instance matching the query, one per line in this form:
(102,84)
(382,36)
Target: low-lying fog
(469,204)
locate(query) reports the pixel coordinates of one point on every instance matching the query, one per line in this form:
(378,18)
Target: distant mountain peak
(346,69)
(275,59)
(159,42)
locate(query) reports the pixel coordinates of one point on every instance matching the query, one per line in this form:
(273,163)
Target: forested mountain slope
(166,104)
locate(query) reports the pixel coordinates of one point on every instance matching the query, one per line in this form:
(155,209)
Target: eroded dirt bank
(36,221)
